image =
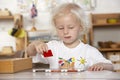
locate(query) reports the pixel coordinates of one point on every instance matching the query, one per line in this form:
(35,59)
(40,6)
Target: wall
(43,18)
(107,6)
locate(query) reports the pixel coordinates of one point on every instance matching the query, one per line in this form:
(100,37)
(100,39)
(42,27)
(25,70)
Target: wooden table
(86,75)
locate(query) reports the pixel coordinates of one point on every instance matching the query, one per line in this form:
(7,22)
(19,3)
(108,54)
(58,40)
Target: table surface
(85,75)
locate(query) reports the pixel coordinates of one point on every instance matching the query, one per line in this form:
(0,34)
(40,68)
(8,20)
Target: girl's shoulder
(90,50)
(88,46)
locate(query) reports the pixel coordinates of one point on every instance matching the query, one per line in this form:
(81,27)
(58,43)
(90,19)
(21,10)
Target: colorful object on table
(59,70)
(33,11)
(72,63)
(71,60)
(67,64)
(48,54)
(61,62)
(82,60)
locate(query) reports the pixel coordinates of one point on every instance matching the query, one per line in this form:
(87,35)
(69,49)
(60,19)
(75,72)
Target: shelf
(6,17)
(9,54)
(103,21)
(116,61)
(108,49)
(106,24)
(116,70)
(38,31)
(17,22)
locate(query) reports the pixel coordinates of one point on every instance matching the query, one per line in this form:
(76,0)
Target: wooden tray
(15,65)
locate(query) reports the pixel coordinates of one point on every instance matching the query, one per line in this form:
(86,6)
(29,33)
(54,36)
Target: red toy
(48,54)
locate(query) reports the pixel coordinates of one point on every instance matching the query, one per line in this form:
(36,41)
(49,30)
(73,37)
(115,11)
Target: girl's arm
(36,47)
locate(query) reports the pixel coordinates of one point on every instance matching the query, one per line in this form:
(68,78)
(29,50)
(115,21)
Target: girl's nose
(66,31)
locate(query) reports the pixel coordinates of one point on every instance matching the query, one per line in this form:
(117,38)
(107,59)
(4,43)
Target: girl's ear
(81,28)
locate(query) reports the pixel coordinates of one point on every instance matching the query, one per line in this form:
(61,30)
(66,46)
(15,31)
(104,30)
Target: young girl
(70,52)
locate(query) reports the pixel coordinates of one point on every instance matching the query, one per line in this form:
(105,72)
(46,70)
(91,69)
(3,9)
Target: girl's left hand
(96,67)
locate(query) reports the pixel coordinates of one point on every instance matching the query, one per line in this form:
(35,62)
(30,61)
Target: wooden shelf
(116,61)
(116,70)
(18,21)
(7,54)
(38,31)
(103,21)
(6,17)
(108,49)
(106,24)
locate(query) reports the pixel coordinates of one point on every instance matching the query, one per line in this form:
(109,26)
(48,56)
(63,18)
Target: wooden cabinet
(104,22)
(104,35)
(11,62)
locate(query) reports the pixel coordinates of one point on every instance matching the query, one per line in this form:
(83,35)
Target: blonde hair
(71,8)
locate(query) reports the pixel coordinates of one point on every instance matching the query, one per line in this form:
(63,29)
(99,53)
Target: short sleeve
(95,56)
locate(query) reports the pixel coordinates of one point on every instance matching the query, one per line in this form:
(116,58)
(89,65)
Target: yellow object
(82,61)
(112,20)
(73,59)
(19,34)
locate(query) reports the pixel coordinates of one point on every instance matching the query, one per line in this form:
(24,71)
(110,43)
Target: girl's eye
(71,27)
(60,28)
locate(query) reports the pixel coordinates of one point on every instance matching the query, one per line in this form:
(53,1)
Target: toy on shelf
(17,31)
(5,12)
(33,29)
(33,15)
(7,50)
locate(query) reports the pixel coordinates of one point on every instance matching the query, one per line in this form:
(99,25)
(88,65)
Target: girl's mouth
(67,37)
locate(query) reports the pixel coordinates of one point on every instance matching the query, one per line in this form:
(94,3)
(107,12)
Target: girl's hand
(41,47)
(96,67)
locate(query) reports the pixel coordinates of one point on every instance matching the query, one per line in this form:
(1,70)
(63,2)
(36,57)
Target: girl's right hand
(41,47)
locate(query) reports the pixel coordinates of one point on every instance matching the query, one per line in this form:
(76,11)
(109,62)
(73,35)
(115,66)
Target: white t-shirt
(63,55)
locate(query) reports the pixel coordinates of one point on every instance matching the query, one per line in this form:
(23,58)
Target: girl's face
(68,29)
